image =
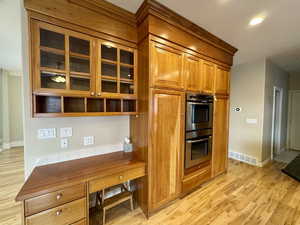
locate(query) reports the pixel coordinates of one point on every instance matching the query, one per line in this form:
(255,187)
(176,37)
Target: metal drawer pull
(195,141)
(58,212)
(121,177)
(58,196)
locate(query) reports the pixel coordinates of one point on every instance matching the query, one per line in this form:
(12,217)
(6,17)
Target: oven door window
(199,150)
(200,113)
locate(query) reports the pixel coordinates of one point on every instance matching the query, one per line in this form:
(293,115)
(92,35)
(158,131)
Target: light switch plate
(251,121)
(66,132)
(88,140)
(64,143)
(46,133)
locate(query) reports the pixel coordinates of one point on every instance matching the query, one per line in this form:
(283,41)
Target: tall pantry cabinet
(173,58)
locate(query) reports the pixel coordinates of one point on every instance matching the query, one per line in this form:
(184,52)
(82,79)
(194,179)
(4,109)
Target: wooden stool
(108,203)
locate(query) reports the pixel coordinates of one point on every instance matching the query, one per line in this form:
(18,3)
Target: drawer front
(195,179)
(53,199)
(81,222)
(66,214)
(118,178)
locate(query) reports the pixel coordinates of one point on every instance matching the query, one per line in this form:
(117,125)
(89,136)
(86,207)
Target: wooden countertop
(52,177)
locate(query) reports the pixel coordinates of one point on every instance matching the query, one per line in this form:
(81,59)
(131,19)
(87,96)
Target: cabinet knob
(92,93)
(98,93)
(121,177)
(58,196)
(58,212)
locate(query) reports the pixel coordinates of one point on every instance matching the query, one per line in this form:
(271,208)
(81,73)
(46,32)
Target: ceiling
(277,38)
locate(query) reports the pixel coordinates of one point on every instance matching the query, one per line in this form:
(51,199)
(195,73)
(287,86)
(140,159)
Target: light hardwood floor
(246,195)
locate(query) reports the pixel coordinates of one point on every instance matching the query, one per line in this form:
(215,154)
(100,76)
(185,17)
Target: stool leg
(131,203)
(103,216)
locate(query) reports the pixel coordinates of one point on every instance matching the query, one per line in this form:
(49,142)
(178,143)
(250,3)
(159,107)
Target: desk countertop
(52,177)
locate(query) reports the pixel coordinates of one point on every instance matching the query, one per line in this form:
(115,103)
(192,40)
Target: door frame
(290,106)
(279,122)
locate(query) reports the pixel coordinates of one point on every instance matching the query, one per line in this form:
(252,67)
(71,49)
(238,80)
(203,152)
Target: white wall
(247,92)
(109,132)
(10,36)
(252,90)
(11,125)
(275,76)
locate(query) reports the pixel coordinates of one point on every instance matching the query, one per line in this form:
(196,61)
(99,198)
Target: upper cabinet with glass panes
(117,70)
(71,63)
(64,58)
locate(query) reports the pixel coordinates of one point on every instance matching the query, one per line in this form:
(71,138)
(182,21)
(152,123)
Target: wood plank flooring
(11,180)
(246,195)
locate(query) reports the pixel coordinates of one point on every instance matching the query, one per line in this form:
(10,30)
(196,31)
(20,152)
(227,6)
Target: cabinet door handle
(98,93)
(58,196)
(58,212)
(121,177)
(92,93)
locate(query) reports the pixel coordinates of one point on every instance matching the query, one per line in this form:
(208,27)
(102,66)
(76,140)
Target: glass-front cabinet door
(63,61)
(117,70)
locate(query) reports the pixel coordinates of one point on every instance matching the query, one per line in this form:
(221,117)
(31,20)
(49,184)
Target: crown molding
(154,8)
(108,9)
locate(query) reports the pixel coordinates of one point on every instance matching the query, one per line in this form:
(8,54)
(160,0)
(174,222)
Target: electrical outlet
(46,133)
(64,143)
(66,132)
(88,140)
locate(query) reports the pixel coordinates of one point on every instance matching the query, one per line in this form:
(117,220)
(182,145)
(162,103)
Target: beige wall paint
(247,92)
(1,109)
(109,132)
(11,109)
(275,76)
(15,106)
(294,81)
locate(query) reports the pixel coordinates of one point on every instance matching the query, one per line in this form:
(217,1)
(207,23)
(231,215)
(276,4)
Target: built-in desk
(58,193)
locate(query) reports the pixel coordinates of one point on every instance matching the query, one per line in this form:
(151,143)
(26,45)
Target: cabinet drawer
(118,178)
(195,179)
(53,199)
(66,214)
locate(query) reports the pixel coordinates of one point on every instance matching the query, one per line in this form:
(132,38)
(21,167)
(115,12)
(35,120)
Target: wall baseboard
(248,159)
(243,158)
(13,144)
(262,164)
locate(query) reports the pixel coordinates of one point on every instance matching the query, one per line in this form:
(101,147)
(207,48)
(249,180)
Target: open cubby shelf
(60,106)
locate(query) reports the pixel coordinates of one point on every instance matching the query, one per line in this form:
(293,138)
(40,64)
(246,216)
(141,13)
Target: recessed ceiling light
(256,20)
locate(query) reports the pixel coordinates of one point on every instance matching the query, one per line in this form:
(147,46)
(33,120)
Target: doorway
(294,121)
(276,122)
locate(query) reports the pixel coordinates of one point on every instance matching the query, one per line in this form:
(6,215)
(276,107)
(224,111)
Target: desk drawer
(114,179)
(53,199)
(195,179)
(66,214)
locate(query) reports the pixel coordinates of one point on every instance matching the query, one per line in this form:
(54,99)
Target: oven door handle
(199,103)
(195,141)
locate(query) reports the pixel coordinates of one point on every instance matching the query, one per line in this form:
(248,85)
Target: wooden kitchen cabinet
(165,163)
(63,61)
(208,77)
(74,74)
(222,81)
(117,70)
(192,73)
(166,67)
(220,136)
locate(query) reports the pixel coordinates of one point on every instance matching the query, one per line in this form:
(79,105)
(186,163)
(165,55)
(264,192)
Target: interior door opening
(276,122)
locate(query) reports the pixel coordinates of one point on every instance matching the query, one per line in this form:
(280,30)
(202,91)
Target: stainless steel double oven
(199,123)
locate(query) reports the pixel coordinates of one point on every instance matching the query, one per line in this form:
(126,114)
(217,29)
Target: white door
(294,121)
